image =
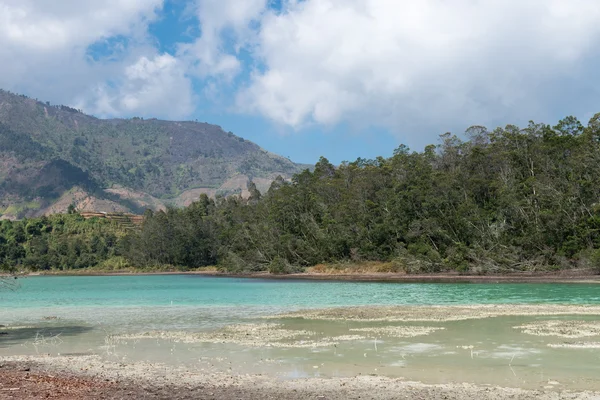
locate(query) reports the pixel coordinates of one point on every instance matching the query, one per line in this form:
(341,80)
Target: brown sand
(92,378)
(566,276)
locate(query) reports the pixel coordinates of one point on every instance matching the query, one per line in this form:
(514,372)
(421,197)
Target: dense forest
(512,199)
(59,242)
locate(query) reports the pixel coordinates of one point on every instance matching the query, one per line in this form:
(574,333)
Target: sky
(309,78)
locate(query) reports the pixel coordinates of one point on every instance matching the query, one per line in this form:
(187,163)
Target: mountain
(53,156)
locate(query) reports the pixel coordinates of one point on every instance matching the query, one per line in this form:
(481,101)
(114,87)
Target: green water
(75,315)
(193,301)
(195,290)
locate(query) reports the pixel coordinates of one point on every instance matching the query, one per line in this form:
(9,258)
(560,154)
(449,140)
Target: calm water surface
(194,290)
(78,314)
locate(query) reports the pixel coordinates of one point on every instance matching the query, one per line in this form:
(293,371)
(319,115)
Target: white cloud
(47,44)
(63,24)
(410,64)
(147,86)
(221,20)
(406,65)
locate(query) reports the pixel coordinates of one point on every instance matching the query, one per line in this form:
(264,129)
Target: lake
(267,326)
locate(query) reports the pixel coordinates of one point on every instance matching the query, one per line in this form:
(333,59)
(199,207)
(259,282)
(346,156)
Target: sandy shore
(566,276)
(90,377)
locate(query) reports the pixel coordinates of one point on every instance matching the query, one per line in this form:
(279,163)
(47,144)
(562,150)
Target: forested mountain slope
(511,199)
(508,200)
(52,156)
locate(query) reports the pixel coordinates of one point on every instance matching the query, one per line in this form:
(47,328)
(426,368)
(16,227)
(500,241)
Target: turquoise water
(194,290)
(80,315)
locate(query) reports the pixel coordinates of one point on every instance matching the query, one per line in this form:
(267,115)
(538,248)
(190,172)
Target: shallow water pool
(187,319)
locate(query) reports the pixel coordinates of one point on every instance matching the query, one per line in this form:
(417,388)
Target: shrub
(115,264)
(279,266)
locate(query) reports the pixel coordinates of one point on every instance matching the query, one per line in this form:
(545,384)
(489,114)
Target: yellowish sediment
(16,327)
(578,345)
(398,331)
(366,267)
(346,338)
(253,335)
(437,313)
(243,334)
(566,329)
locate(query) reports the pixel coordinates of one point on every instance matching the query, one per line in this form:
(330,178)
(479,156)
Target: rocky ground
(25,380)
(90,378)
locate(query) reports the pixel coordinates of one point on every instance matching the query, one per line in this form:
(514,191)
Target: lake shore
(90,377)
(204,364)
(566,276)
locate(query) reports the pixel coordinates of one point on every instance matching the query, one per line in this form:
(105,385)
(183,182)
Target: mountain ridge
(53,156)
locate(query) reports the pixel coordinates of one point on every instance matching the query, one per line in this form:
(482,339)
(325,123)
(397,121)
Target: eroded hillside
(53,156)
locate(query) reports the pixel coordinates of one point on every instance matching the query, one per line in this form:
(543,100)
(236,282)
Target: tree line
(511,199)
(60,242)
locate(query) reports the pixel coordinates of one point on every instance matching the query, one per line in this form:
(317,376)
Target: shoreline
(554,277)
(66,377)
(86,375)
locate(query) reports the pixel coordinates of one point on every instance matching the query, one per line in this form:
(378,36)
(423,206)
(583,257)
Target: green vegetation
(16,209)
(503,201)
(59,242)
(508,200)
(47,150)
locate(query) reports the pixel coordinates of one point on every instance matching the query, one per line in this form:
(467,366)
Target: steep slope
(51,156)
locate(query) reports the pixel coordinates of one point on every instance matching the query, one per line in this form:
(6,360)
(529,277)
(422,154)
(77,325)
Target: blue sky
(306,78)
